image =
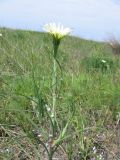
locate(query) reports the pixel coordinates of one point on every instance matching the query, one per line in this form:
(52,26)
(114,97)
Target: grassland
(88,95)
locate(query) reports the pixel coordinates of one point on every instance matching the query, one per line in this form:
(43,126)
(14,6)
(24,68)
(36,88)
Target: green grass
(88,94)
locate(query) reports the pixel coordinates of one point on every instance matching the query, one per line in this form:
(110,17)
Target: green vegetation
(88,98)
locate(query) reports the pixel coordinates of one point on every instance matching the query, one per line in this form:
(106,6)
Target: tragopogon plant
(57,32)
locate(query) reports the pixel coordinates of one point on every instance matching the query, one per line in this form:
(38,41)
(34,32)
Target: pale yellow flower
(0,34)
(57,30)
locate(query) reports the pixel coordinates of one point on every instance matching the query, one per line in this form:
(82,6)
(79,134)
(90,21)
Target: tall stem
(56,43)
(54,84)
(54,81)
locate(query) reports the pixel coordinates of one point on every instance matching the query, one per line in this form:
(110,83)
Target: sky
(89,19)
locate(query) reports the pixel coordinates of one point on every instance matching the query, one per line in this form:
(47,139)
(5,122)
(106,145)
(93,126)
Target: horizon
(94,20)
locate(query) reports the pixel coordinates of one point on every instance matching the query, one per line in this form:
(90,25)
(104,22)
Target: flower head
(57,30)
(0,34)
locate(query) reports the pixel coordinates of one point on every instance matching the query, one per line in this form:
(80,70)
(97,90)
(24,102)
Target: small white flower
(100,157)
(57,30)
(7,150)
(48,108)
(39,135)
(52,115)
(0,34)
(103,61)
